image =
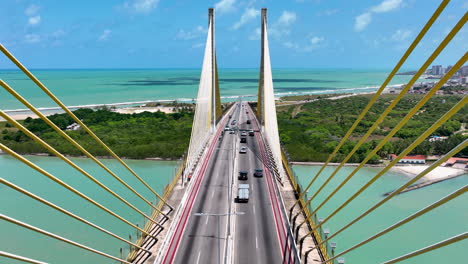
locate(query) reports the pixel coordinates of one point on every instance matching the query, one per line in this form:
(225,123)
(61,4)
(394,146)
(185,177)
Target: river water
(444,222)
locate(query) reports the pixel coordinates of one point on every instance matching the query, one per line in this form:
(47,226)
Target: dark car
(251,133)
(248,121)
(258,173)
(243,175)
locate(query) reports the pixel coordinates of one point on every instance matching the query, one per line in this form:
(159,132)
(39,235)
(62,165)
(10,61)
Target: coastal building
(448,68)
(464,71)
(459,163)
(437,138)
(410,159)
(73,127)
(437,70)
(464,80)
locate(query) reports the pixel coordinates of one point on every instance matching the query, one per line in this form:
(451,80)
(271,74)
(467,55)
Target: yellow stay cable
(440,244)
(20,258)
(70,188)
(413,45)
(64,211)
(68,241)
(395,129)
(77,120)
(454,151)
(394,102)
(71,163)
(69,139)
(408,219)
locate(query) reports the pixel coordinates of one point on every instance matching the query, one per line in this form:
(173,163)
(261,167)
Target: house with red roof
(458,163)
(410,159)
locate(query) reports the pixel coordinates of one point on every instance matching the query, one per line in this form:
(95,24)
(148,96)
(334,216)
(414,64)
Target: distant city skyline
(171,34)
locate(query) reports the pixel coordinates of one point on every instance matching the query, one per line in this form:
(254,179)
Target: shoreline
(98,157)
(438,174)
(140,106)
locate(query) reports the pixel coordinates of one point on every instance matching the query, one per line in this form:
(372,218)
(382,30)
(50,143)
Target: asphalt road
(256,239)
(255,235)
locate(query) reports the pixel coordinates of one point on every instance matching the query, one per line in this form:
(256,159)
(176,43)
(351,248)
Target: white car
(243,150)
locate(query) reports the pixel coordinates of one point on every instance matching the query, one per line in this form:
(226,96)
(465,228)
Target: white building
(437,70)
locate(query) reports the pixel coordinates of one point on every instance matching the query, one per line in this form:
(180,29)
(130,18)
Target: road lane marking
(256,242)
(206,221)
(198,258)
(212,194)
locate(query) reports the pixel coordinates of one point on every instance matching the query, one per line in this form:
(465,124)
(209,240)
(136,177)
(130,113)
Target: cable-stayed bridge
(235,198)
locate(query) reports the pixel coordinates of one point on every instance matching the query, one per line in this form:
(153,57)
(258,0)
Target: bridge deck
(258,235)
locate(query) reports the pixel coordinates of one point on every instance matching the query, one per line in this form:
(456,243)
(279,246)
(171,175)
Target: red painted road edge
(191,200)
(273,198)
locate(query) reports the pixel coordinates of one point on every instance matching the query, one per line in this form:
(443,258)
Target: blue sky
(171,33)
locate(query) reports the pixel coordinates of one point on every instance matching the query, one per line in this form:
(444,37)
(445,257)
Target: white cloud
(105,35)
(401,35)
(58,33)
(31,10)
(256,34)
(282,26)
(329,12)
(141,6)
(361,21)
(316,40)
(225,6)
(291,45)
(32,38)
(287,18)
(386,6)
(198,45)
(34,20)
(192,34)
(248,15)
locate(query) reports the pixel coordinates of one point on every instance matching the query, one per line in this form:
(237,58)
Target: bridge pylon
(208,106)
(266,109)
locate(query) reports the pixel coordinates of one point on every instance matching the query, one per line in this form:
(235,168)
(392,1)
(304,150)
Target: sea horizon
(77,87)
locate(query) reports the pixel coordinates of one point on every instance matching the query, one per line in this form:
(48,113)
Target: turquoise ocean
(85,87)
(81,87)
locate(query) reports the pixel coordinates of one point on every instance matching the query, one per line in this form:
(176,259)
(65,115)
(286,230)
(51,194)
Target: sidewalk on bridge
(174,199)
(289,198)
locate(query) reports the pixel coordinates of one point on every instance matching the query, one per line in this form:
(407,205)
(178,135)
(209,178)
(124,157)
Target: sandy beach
(436,174)
(21,115)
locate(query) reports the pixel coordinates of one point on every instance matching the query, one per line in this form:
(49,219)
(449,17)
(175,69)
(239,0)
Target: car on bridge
(244,133)
(258,173)
(251,133)
(243,175)
(243,150)
(242,193)
(233,122)
(243,139)
(248,122)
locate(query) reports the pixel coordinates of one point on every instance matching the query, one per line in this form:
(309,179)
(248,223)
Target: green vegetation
(310,132)
(309,97)
(129,135)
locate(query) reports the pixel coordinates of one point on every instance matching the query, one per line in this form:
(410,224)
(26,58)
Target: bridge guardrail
(133,254)
(318,234)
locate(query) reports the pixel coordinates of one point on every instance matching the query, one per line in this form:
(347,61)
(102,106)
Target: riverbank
(99,157)
(437,174)
(22,114)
